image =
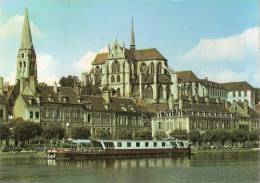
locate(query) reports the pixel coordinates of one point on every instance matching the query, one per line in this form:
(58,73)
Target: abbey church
(131,72)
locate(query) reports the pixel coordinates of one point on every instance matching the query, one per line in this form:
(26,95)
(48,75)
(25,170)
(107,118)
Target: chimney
(246,106)
(55,88)
(1,85)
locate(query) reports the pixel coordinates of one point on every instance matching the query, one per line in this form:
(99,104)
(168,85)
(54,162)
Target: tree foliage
(143,134)
(124,134)
(91,89)
(27,130)
(69,81)
(179,134)
(195,136)
(102,134)
(160,135)
(222,135)
(81,132)
(53,131)
(5,132)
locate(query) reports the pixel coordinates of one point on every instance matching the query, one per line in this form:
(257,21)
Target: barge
(123,148)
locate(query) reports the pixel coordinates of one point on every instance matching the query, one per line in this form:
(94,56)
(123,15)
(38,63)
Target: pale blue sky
(217,39)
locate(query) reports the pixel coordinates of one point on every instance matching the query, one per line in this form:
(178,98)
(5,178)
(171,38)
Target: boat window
(181,144)
(155,144)
(173,144)
(137,144)
(109,144)
(128,144)
(146,144)
(163,144)
(119,144)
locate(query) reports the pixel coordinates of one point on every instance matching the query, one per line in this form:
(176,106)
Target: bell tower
(26,66)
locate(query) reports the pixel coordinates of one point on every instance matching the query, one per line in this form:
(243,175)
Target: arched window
(168,91)
(143,67)
(21,64)
(112,79)
(160,92)
(152,68)
(115,67)
(118,79)
(118,91)
(97,70)
(159,68)
(24,64)
(148,92)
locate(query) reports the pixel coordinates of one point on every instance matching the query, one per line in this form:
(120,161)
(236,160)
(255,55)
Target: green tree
(25,131)
(179,134)
(238,135)
(69,81)
(82,132)
(222,135)
(209,136)
(5,133)
(53,131)
(160,135)
(194,136)
(124,134)
(143,134)
(102,134)
(91,89)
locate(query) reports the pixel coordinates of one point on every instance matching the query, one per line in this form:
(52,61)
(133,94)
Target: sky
(218,39)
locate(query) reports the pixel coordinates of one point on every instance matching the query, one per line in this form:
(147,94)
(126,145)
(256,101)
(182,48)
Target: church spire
(132,44)
(26,39)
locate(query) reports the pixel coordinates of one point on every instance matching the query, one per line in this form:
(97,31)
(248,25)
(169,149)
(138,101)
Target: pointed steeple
(26,39)
(132,43)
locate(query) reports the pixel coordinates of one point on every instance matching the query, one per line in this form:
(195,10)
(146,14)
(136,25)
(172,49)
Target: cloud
(231,48)
(47,68)
(13,27)
(84,63)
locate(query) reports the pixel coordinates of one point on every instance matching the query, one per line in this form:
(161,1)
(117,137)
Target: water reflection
(124,163)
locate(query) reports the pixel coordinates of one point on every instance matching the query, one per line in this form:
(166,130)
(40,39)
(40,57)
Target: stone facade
(131,72)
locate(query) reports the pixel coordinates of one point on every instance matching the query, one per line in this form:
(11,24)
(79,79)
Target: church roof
(134,55)
(240,86)
(187,77)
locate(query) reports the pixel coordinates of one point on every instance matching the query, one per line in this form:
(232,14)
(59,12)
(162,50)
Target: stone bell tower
(26,66)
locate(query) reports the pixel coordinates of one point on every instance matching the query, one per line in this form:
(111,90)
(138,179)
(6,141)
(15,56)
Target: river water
(239,167)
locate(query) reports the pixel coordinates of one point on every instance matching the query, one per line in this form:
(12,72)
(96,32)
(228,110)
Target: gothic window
(118,79)
(22,55)
(143,67)
(152,67)
(148,92)
(159,68)
(115,67)
(24,64)
(160,92)
(21,64)
(168,91)
(98,70)
(112,79)
(118,92)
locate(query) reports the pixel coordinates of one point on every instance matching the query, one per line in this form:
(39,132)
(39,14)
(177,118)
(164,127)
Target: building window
(21,64)
(1,113)
(22,55)
(115,67)
(245,93)
(24,64)
(37,115)
(143,67)
(159,125)
(159,68)
(152,68)
(134,121)
(31,114)
(112,79)
(125,120)
(160,92)
(128,144)
(118,79)
(89,118)
(148,92)
(234,93)
(239,93)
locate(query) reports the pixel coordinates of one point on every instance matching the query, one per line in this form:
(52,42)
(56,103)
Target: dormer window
(22,55)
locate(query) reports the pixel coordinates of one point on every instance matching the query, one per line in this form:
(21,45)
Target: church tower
(132,41)
(26,66)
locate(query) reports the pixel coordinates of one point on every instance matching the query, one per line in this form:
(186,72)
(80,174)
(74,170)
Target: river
(239,167)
